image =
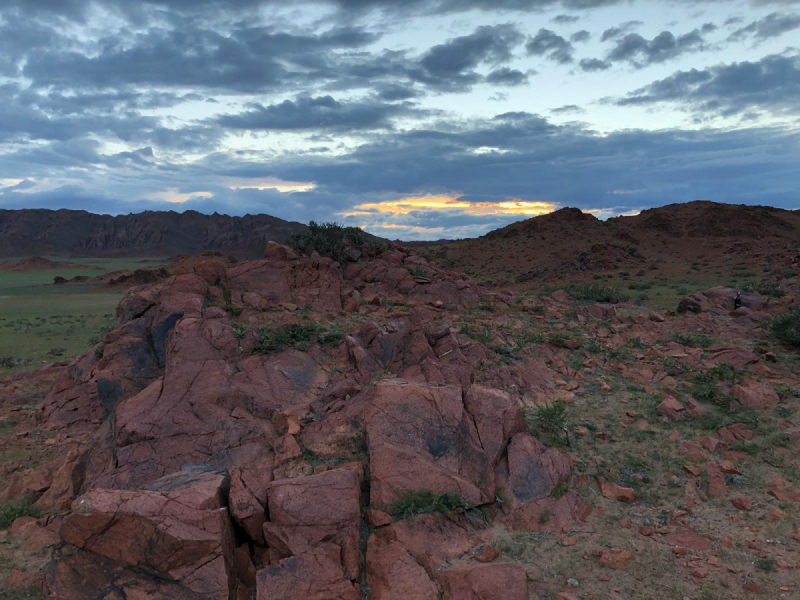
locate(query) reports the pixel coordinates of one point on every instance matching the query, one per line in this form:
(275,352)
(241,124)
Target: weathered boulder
(307,511)
(82,575)
(407,556)
(177,529)
(421,437)
(315,575)
(754,394)
(497,416)
(534,470)
(248,500)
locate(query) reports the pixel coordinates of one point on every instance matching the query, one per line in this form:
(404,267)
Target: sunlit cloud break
(452,202)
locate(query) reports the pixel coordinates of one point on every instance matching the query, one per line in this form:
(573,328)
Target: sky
(420,119)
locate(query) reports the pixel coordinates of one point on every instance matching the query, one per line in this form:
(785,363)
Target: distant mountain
(569,243)
(40,232)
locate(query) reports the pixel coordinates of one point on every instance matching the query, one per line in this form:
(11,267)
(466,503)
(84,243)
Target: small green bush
(592,292)
(420,502)
(328,239)
(786,327)
(11,510)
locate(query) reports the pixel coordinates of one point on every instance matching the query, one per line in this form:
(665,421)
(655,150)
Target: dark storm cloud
(641,52)
(392,92)
(620,30)
(772,25)
(488,44)
(594,64)
(322,113)
(771,84)
(580,36)
(548,43)
(507,76)
(25,116)
(249,60)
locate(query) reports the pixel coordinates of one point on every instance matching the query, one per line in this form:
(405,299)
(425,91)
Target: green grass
(592,292)
(11,510)
(420,502)
(37,317)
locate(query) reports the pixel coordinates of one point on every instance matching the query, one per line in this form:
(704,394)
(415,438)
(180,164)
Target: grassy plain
(42,323)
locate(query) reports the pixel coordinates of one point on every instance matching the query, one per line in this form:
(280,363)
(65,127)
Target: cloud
(771,84)
(80,9)
(620,30)
(594,64)
(565,19)
(773,25)
(251,59)
(488,44)
(640,52)
(322,113)
(548,43)
(567,109)
(507,76)
(580,36)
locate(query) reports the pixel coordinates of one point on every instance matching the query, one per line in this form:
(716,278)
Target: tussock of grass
(11,510)
(420,502)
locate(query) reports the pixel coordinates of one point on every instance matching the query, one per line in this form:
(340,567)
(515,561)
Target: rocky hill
(33,232)
(292,428)
(571,245)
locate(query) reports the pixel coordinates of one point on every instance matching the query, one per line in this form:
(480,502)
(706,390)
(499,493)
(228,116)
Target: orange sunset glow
(454,202)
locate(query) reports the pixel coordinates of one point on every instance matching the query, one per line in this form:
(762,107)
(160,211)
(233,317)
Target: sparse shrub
(544,517)
(695,340)
(558,339)
(328,239)
(636,342)
(419,272)
(786,327)
(294,335)
(768,564)
(592,292)
(481,334)
(785,391)
(420,502)
(100,333)
(239,330)
(771,289)
(9,362)
(593,345)
(727,373)
(559,491)
(552,417)
(11,510)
